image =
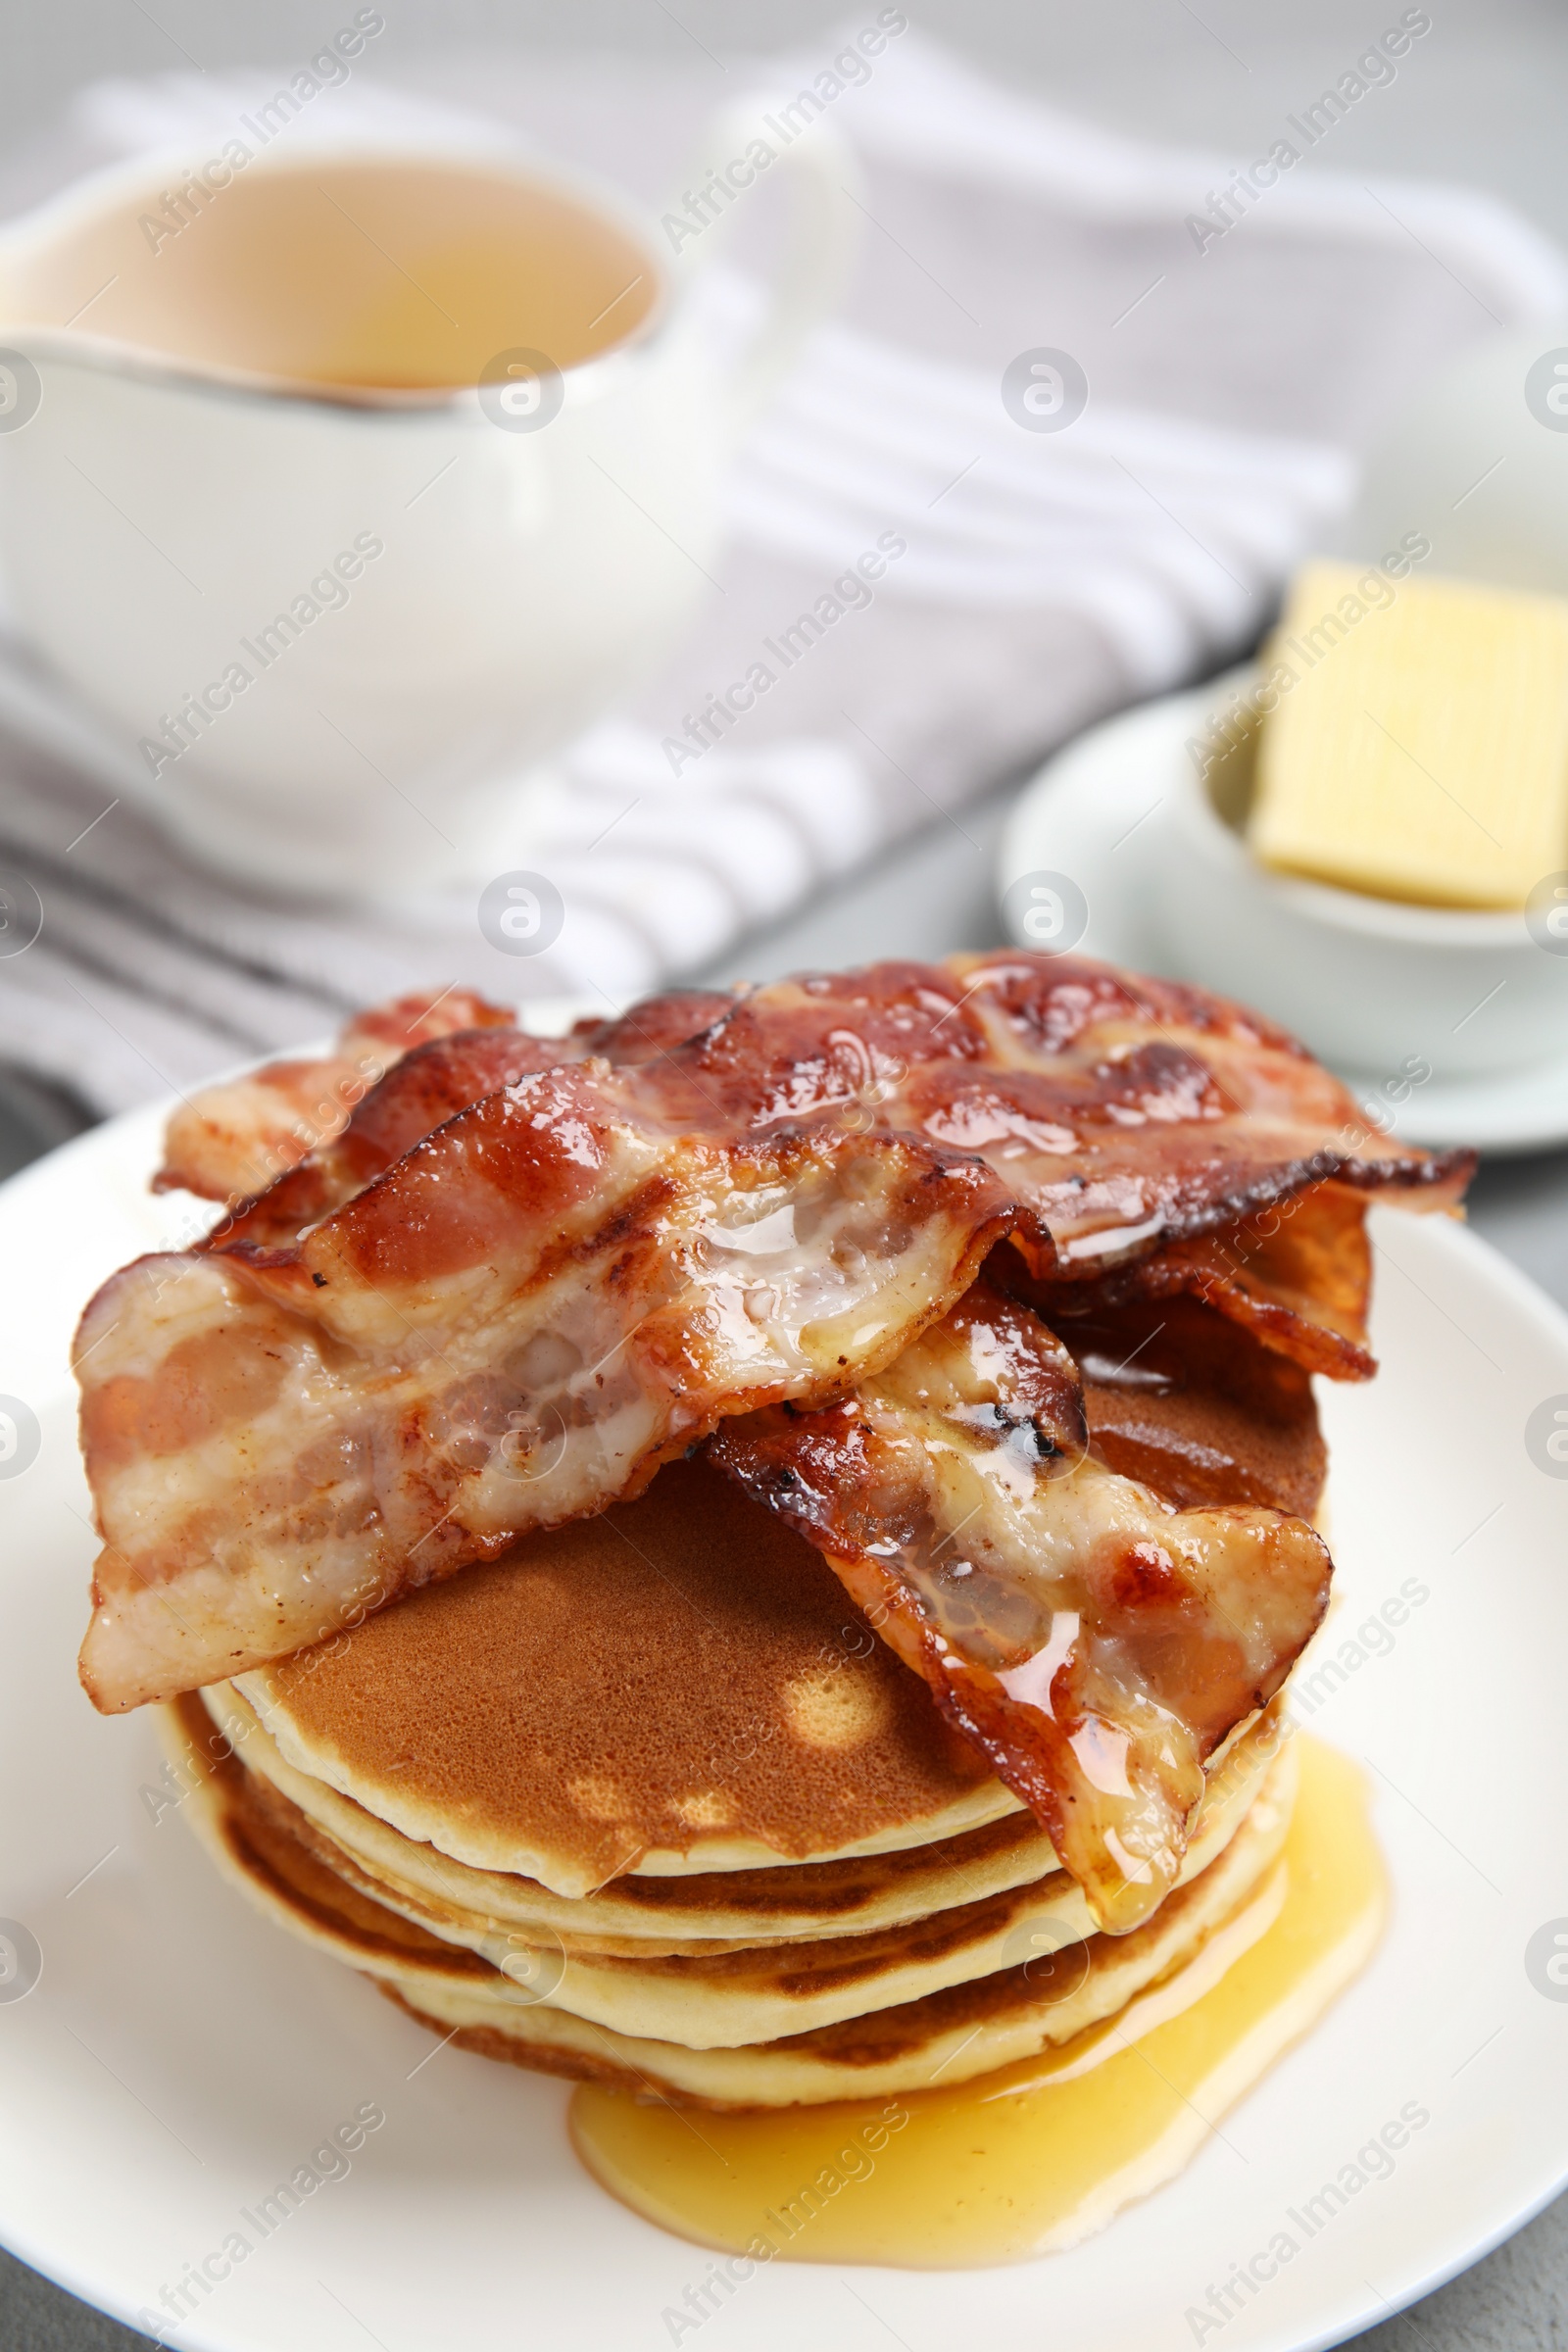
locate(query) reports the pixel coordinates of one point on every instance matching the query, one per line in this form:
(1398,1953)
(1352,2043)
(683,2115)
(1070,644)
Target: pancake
(978,2030)
(696,1912)
(954,2035)
(699,1913)
(678,1685)
(962,2028)
(738,1995)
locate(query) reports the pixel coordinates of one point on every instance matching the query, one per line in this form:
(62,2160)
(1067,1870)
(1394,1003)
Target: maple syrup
(1037,2156)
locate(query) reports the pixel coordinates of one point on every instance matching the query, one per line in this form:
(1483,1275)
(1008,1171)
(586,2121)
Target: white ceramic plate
(178,2056)
(1096,812)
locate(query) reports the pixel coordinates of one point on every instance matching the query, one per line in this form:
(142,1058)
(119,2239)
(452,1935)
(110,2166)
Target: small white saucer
(1096,812)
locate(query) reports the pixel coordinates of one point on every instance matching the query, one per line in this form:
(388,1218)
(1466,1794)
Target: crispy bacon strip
(1128,1112)
(230,1141)
(1192,1405)
(1157,1139)
(511,1326)
(425,1089)
(656,1024)
(1297,1277)
(1096,1642)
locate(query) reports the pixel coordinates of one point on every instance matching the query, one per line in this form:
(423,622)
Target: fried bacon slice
(1297,1277)
(234,1141)
(1143,1124)
(1195,1406)
(269,1419)
(511,1326)
(1094,1641)
(425,1089)
(229,1141)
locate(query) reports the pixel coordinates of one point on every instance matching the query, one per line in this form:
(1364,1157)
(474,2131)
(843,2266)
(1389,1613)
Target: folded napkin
(1236,355)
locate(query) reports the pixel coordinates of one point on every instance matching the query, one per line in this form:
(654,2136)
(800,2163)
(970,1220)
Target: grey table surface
(1484,107)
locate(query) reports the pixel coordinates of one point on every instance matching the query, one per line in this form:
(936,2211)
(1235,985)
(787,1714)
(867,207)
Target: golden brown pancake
(678,1685)
(952,2037)
(699,1913)
(989,2018)
(736,1994)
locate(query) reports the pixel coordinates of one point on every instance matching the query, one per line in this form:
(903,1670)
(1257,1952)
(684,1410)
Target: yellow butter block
(1418,747)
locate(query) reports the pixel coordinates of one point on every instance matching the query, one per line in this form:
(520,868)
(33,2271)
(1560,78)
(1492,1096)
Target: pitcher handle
(824,235)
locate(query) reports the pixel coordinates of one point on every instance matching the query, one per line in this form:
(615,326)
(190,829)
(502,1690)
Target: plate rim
(105,1143)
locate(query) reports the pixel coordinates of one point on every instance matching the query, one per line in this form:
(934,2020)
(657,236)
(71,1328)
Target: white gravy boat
(331,622)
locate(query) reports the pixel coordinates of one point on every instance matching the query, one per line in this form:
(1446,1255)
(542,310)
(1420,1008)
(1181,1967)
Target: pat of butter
(1422,750)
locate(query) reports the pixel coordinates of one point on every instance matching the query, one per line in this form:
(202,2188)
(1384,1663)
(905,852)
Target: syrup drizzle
(1037,2156)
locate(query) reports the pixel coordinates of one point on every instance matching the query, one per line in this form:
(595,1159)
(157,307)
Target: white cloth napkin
(1045,578)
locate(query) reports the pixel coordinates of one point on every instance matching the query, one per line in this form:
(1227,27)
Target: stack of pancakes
(647,1803)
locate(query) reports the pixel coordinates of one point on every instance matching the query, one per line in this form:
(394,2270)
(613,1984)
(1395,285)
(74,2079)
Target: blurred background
(1029,176)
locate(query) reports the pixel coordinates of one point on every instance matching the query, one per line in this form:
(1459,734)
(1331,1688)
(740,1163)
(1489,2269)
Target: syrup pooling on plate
(1095,1643)
(1037,2156)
